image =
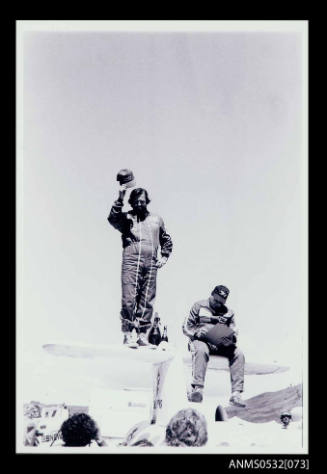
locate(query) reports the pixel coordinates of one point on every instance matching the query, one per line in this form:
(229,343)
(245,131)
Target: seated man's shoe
(129,340)
(236,400)
(143,340)
(196,394)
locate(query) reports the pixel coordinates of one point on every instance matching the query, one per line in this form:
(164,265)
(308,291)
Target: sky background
(212,126)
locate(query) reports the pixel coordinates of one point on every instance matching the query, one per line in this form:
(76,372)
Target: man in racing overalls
(204,315)
(142,233)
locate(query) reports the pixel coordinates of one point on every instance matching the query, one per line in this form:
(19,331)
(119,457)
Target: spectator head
(33,410)
(286,418)
(79,430)
(144,433)
(187,428)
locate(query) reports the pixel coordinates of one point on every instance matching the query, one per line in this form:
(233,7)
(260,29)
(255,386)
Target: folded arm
(165,241)
(166,245)
(190,325)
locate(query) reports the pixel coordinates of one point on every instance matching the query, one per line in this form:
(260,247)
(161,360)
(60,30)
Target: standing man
(142,233)
(203,317)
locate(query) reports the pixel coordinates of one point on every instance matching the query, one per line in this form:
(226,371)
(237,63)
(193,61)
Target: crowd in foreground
(187,428)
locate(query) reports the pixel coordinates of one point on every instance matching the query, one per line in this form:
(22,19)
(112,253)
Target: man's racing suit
(141,239)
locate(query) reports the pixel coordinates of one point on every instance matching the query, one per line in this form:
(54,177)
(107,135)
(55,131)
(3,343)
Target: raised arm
(117,218)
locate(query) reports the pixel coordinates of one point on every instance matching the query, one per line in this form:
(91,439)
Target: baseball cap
(221,290)
(285,414)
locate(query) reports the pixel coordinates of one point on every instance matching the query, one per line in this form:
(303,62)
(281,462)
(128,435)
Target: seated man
(204,315)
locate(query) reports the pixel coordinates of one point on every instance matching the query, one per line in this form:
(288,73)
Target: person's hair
(187,428)
(79,430)
(143,442)
(136,193)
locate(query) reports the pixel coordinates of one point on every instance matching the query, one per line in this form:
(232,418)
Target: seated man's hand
(161,262)
(200,333)
(235,330)
(235,335)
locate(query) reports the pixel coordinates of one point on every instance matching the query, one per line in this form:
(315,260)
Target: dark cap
(285,414)
(125,176)
(221,290)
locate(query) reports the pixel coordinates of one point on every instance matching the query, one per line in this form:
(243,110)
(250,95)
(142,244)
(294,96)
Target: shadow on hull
(268,406)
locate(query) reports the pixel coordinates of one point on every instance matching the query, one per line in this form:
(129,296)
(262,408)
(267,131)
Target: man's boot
(196,394)
(236,400)
(129,340)
(143,340)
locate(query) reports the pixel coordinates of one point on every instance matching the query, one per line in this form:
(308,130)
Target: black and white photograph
(162,237)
